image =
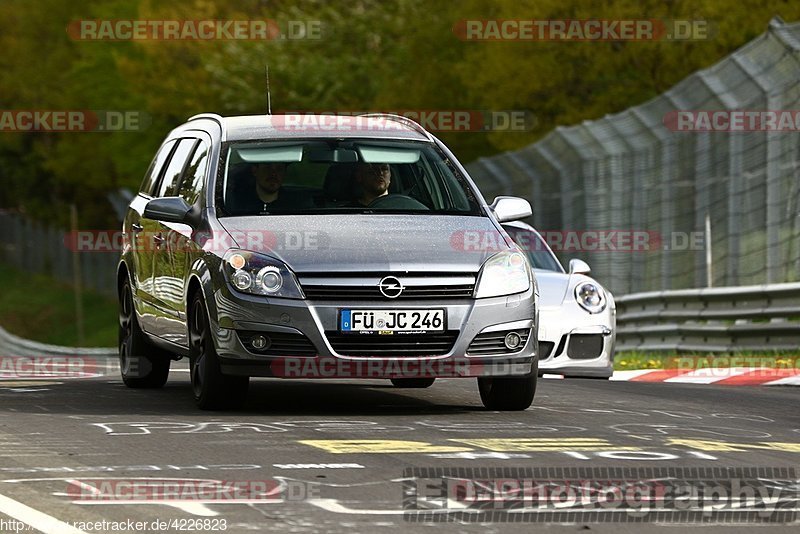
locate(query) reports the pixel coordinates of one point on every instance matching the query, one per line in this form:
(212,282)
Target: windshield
(539,254)
(341,176)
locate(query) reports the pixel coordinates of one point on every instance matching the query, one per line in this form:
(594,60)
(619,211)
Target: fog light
(260,342)
(512,341)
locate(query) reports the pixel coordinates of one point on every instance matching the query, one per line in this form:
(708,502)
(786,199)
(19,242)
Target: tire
(212,390)
(509,393)
(142,365)
(413,383)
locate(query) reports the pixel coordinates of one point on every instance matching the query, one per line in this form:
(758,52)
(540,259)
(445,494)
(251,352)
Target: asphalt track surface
(336,456)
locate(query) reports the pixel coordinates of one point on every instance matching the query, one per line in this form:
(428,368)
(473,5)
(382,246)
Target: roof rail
(210,116)
(402,120)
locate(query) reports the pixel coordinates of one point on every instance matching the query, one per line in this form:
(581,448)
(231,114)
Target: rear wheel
(141,364)
(212,389)
(416,383)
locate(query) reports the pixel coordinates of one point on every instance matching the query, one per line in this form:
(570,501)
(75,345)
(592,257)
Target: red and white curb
(733,376)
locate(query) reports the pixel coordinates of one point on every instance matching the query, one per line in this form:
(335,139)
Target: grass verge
(40,308)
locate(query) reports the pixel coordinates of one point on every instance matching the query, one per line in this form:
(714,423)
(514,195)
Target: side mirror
(167,209)
(510,209)
(577,266)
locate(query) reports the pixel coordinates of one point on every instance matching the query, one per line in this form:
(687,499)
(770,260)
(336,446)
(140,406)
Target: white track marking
(36,519)
(786,381)
(628,375)
(709,375)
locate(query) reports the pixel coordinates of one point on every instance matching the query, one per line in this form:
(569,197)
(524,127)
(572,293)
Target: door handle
(158,239)
(137,228)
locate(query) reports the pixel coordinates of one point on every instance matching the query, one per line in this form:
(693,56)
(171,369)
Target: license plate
(391,321)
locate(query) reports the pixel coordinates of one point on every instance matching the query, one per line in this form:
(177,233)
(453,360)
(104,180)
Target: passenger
(269,195)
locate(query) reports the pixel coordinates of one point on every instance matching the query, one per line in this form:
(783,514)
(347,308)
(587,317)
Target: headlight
(590,297)
(505,273)
(257,274)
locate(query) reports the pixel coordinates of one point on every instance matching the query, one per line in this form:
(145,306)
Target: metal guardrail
(11,345)
(728,319)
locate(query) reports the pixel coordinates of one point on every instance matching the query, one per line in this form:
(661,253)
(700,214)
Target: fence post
(63,272)
(709,253)
(76,276)
(642,163)
(735,190)
(773,222)
(702,187)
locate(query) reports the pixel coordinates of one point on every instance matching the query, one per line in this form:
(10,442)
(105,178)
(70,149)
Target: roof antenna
(269,97)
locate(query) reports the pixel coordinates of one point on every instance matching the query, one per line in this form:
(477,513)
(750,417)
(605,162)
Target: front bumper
(469,317)
(558,330)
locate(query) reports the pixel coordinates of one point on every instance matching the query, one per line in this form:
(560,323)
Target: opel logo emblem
(390,287)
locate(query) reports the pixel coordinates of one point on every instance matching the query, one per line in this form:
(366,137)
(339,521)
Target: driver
(374,180)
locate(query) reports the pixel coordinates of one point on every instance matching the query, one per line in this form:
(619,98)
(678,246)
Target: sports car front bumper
(573,342)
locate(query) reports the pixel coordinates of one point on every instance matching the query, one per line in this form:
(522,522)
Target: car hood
(359,242)
(553,287)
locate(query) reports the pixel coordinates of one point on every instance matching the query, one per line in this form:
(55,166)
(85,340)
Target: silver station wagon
(314,246)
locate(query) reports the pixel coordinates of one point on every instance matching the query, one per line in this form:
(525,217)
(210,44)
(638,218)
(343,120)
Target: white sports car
(577,328)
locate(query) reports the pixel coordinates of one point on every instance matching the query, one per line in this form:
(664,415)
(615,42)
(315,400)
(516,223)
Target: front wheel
(212,389)
(142,365)
(507,393)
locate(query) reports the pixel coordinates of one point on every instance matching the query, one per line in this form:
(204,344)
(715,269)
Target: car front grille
(493,342)
(372,293)
(365,286)
(585,346)
(278,343)
(395,345)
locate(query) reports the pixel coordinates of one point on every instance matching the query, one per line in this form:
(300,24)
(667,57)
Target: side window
(152,174)
(172,176)
(192,182)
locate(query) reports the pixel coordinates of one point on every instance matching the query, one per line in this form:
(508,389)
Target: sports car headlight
(505,273)
(590,297)
(257,274)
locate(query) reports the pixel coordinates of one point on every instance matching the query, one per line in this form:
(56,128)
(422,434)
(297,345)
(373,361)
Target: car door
(166,289)
(139,232)
(179,237)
